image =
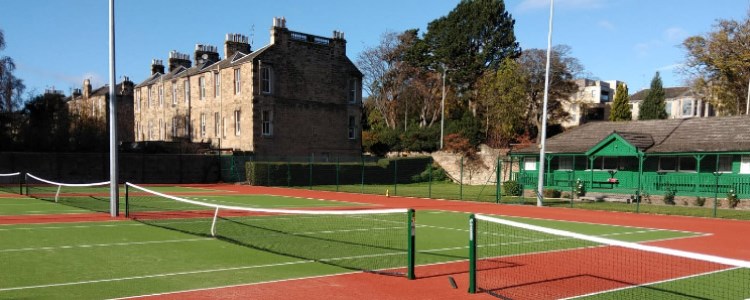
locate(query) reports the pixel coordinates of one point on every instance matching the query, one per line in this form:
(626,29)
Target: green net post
(461,181)
(395,177)
(472,254)
(498,180)
(429,182)
(338,170)
(411,246)
(21,183)
(127,206)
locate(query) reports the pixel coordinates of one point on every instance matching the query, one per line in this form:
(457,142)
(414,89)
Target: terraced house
(690,157)
(298,96)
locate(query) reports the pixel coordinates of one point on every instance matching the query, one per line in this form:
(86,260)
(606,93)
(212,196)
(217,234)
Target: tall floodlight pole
(113,189)
(442,109)
(540,188)
(747,102)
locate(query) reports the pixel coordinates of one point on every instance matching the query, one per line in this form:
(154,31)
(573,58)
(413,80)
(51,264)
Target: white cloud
(606,25)
(671,67)
(527,5)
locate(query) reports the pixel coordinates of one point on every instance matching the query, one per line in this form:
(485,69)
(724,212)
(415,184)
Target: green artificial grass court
(119,259)
(269,201)
(29,206)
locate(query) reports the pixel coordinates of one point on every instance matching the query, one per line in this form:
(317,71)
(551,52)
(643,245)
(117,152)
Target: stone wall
(134,167)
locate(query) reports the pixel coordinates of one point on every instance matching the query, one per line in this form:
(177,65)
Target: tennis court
(163,250)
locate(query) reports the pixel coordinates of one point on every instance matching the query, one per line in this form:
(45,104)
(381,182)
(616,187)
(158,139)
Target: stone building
(679,102)
(592,101)
(298,96)
(89,105)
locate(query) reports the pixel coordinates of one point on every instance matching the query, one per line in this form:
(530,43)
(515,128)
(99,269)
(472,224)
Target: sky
(57,44)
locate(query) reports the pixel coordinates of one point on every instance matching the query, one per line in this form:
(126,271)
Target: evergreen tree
(621,106)
(653,106)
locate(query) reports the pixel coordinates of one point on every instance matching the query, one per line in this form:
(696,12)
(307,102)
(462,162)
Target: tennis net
(372,240)
(90,196)
(513,260)
(11,183)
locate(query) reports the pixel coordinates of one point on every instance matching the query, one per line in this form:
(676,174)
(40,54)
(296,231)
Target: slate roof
(716,134)
(669,93)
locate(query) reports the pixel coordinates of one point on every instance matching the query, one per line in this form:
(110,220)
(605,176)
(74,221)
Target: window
(150,130)
(174,93)
(265,80)
(267,121)
(186,86)
(687,164)
(161,132)
(216,124)
(529,163)
(667,163)
(175,120)
(668,108)
(203,124)
(566,163)
(161,95)
(237,122)
(202,87)
(217,84)
(725,163)
(148,96)
(187,126)
(352,90)
(687,108)
(352,127)
(606,163)
(223,127)
(237,81)
(745,165)
(137,131)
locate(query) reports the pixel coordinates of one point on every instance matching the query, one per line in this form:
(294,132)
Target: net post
(25,175)
(411,246)
(472,254)
(497,180)
(213,223)
(395,177)
(461,181)
(22,181)
(127,200)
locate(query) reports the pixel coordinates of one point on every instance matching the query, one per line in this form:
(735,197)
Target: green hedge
(385,171)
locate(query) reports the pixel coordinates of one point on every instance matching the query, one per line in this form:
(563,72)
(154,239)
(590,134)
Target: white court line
(104,245)
(651,283)
(72,226)
(153,276)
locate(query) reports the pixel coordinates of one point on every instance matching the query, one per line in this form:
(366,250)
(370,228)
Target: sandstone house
(298,96)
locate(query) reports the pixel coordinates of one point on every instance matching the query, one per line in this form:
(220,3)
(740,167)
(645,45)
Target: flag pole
(114,191)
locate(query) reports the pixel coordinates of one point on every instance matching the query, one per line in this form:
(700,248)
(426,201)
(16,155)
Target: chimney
(157,66)
(86,88)
(279,26)
(177,59)
(234,43)
(339,43)
(127,87)
(206,53)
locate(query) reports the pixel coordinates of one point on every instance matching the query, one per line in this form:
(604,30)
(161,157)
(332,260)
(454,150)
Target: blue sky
(59,43)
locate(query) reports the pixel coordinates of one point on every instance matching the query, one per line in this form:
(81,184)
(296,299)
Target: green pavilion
(689,157)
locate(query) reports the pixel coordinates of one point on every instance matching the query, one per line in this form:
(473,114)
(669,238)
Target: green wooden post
(698,159)
(548,177)
(411,247)
(591,167)
(472,254)
(461,181)
(716,187)
(641,158)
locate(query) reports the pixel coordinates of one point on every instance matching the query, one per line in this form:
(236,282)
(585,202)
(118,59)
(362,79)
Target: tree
(621,106)
(474,37)
(563,70)
(653,106)
(718,65)
(47,127)
(501,95)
